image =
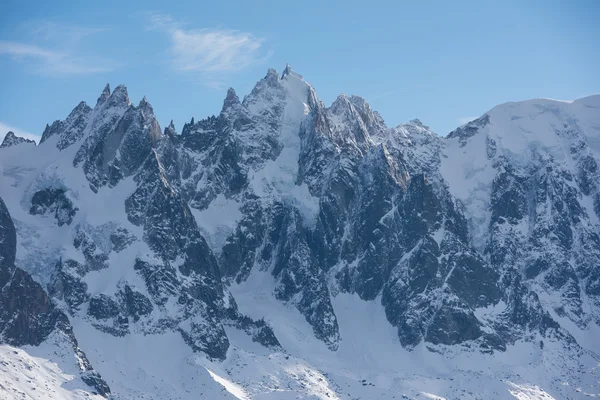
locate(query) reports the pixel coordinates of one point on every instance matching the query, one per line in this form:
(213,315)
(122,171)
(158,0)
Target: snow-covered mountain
(285,249)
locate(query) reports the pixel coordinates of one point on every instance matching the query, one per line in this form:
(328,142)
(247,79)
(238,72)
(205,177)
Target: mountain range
(285,249)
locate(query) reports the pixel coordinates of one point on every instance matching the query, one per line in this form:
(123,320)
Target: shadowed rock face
(53,202)
(8,239)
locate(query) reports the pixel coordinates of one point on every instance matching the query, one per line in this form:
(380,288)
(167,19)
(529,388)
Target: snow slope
(38,373)
(371,363)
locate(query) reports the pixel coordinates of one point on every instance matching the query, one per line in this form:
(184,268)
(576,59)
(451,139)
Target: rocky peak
(358,106)
(371,118)
(231,100)
(266,91)
(121,138)
(12,140)
(286,71)
(81,111)
(417,123)
(71,129)
(81,108)
(118,98)
(340,104)
(347,125)
(146,108)
(170,130)
(144,103)
(50,130)
(468,130)
(360,103)
(272,76)
(104,95)
(415,129)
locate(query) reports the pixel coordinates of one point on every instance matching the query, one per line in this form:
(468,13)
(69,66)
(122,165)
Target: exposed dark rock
(135,303)
(67,285)
(53,201)
(103,307)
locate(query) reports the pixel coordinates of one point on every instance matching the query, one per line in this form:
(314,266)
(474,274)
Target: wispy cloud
(464,120)
(50,62)
(69,35)
(210,54)
(55,49)
(5,128)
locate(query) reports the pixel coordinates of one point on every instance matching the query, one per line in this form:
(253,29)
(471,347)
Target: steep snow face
(218,221)
(278,178)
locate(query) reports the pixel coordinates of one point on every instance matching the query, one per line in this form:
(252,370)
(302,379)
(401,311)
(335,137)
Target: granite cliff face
(475,243)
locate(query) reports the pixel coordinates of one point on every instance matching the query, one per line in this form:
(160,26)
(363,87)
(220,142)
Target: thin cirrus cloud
(50,62)
(69,35)
(55,49)
(210,54)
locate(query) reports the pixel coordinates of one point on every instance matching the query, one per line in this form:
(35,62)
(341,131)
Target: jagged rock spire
(143,102)
(104,95)
(119,96)
(146,107)
(12,140)
(286,71)
(170,130)
(272,77)
(231,100)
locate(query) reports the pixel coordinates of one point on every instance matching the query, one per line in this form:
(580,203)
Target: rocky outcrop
(13,140)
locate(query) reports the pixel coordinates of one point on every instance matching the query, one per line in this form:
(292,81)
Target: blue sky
(440,61)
